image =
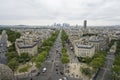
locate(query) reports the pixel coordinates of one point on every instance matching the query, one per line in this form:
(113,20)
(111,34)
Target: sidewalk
(26,74)
(73,70)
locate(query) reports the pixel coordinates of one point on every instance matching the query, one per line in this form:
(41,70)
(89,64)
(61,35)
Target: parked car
(44,70)
(38,74)
(64,78)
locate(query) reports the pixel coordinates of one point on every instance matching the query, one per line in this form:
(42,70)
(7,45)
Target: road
(51,62)
(73,58)
(55,69)
(105,72)
(3,47)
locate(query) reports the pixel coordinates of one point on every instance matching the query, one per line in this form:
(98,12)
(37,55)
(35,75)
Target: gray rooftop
(84,46)
(22,45)
(95,39)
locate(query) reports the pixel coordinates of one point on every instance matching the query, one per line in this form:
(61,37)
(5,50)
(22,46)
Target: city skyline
(39,12)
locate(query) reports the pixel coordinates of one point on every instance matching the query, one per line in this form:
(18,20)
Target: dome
(5,73)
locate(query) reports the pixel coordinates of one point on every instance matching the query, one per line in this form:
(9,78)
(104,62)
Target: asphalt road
(3,47)
(53,64)
(105,72)
(53,72)
(73,58)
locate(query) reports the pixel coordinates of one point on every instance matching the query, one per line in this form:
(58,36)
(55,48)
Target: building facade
(84,50)
(27,44)
(22,47)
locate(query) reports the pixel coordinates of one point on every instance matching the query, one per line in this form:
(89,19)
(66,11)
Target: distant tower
(85,24)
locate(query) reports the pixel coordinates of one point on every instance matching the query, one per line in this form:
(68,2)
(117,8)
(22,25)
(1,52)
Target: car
(52,60)
(56,50)
(44,70)
(61,73)
(38,74)
(64,78)
(56,69)
(56,65)
(60,79)
(57,73)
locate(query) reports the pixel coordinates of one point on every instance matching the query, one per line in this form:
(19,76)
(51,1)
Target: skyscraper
(85,24)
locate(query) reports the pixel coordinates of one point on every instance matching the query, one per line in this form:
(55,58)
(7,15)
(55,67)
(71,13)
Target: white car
(60,79)
(64,78)
(44,70)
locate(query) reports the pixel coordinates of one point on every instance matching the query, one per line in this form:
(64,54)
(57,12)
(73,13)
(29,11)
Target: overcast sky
(39,12)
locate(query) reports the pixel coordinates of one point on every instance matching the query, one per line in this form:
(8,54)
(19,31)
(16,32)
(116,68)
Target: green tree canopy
(44,53)
(38,64)
(86,71)
(40,58)
(13,64)
(64,50)
(24,69)
(12,35)
(11,55)
(88,60)
(97,63)
(65,55)
(116,69)
(65,60)
(24,57)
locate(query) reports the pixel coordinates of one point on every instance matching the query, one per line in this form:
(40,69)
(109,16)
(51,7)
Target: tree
(65,54)
(64,36)
(88,60)
(116,69)
(44,53)
(111,43)
(24,57)
(11,48)
(117,60)
(13,64)
(97,63)
(65,60)
(86,71)
(47,48)
(12,35)
(64,50)
(116,66)
(11,55)
(65,57)
(38,65)
(24,69)
(40,58)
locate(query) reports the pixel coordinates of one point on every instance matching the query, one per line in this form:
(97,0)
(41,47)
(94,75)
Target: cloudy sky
(40,12)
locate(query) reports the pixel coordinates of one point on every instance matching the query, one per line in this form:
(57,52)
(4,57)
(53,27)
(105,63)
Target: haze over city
(47,12)
(59,39)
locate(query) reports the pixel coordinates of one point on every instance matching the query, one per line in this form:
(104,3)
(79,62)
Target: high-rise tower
(85,24)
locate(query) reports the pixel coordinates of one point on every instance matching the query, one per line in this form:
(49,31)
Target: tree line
(44,50)
(116,66)
(65,57)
